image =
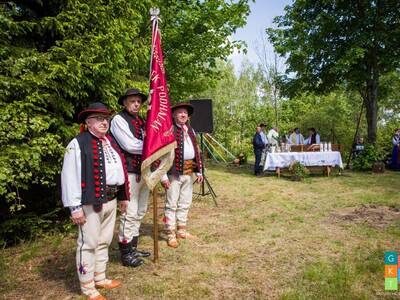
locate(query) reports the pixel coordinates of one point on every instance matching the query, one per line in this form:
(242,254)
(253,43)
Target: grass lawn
(269,238)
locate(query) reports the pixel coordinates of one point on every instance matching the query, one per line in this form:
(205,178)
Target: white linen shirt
(124,136)
(264,137)
(188,149)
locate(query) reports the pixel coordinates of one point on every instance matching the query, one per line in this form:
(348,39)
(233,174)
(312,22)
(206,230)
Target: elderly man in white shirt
(179,181)
(93,177)
(128,127)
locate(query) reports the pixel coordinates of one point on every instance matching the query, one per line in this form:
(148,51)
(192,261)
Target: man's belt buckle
(188,167)
(111,192)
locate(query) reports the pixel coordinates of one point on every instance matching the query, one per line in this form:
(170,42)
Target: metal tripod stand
(210,190)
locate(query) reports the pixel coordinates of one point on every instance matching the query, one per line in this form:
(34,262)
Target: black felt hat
(186,105)
(131,92)
(93,108)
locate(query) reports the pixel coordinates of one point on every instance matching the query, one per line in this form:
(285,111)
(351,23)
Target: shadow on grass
(147,230)
(245,169)
(61,268)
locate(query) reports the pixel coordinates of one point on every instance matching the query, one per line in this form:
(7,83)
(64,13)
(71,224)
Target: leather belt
(112,192)
(189,166)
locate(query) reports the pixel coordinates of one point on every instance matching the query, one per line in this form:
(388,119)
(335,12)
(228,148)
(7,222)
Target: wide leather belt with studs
(112,191)
(189,166)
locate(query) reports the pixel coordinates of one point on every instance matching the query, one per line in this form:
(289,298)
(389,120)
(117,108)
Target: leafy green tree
(333,115)
(56,56)
(195,36)
(239,106)
(328,43)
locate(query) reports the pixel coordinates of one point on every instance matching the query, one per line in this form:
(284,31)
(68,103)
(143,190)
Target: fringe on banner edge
(152,178)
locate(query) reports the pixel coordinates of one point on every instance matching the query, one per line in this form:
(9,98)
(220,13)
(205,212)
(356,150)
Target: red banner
(159,141)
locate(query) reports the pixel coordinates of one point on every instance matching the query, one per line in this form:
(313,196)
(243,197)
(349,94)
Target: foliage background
(57,56)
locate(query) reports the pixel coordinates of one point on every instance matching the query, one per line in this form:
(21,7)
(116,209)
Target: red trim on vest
(179,136)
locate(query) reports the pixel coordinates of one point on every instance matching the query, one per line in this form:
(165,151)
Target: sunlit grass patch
(267,239)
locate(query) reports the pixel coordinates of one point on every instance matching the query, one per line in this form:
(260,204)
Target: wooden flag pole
(155,225)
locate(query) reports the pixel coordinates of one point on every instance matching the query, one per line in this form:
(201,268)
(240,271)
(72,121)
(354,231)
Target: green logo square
(391,284)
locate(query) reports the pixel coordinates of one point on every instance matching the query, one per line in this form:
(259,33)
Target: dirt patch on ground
(372,215)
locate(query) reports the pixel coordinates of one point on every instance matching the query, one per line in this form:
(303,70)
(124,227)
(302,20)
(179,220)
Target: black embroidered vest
(136,126)
(177,167)
(313,138)
(93,170)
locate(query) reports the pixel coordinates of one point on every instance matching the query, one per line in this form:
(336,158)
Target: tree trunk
(371,105)
(371,94)
(372,83)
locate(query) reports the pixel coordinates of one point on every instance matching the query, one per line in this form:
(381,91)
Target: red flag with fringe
(159,142)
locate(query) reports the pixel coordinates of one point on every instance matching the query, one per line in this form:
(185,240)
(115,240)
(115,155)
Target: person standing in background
(313,137)
(273,136)
(296,138)
(258,146)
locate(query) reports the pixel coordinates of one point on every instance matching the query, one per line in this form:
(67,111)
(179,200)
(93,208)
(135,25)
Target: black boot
(127,256)
(136,252)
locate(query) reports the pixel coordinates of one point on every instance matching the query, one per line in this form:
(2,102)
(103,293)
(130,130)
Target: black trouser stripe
(123,226)
(80,250)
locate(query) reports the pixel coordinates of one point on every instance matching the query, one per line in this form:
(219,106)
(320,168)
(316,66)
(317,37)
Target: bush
(365,160)
(298,170)
(30,226)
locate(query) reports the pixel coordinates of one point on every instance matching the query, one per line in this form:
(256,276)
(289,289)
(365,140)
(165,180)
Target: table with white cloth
(279,160)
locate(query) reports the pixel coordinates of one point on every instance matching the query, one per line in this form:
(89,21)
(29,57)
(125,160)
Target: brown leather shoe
(109,284)
(98,297)
(172,242)
(183,234)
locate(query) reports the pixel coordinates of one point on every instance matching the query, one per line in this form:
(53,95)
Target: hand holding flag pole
(159,142)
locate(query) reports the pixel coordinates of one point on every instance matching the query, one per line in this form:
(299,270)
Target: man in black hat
(179,181)
(93,177)
(128,128)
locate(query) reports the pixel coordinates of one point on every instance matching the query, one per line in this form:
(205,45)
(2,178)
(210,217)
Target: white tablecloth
(283,159)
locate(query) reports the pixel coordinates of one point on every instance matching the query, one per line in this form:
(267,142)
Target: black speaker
(202,118)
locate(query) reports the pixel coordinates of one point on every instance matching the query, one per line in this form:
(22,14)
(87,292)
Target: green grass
(269,238)
(353,276)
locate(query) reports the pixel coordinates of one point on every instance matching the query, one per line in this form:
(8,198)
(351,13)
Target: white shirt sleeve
(113,165)
(317,139)
(301,139)
(124,136)
(71,175)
